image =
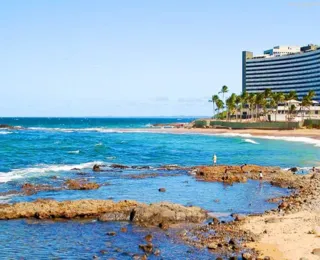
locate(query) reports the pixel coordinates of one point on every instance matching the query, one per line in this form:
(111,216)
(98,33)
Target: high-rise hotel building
(282,69)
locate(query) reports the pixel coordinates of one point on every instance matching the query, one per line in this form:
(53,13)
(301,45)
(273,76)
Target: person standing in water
(214,158)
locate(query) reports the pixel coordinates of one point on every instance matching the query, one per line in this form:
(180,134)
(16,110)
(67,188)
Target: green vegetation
(257,104)
(200,124)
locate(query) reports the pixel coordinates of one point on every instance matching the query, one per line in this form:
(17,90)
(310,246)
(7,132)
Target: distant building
(283,69)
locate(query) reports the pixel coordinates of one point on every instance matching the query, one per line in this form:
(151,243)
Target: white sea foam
(42,169)
(250,141)
(74,152)
(307,140)
(5,132)
(99,144)
(6,198)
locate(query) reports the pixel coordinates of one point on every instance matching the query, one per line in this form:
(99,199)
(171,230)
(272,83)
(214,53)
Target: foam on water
(250,141)
(74,152)
(5,133)
(41,169)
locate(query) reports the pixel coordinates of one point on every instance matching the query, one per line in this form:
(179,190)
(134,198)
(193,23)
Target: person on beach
(214,158)
(260,175)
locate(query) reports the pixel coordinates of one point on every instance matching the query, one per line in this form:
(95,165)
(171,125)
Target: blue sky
(136,58)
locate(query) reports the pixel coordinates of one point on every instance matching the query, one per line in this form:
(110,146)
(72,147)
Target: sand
(286,236)
(311,133)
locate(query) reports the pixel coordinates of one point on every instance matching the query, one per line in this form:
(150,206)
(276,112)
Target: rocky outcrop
(96,168)
(6,126)
(119,166)
(46,209)
(30,189)
(164,214)
(81,185)
(158,214)
(235,174)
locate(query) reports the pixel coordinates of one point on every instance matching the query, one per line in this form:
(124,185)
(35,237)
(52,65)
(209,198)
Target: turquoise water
(44,148)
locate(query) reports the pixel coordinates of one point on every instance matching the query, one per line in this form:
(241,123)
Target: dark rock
(164,225)
(148,238)
(111,233)
(123,229)
(96,168)
(294,169)
(148,248)
(119,166)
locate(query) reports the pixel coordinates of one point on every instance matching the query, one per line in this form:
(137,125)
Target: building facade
(283,69)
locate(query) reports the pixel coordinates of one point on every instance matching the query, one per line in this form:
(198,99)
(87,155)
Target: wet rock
(123,229)
(294,169)
(81,185)
(119,166)
(165,212)
(30,189)
(148,238)
(148,248)
(64,209)
(162,190)
(111,233)
(283,205)
(238,217)
(96,168)
(164,225)
(7,126)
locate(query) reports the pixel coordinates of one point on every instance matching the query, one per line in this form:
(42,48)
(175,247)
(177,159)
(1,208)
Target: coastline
(310,133)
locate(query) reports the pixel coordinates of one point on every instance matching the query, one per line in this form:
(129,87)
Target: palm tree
(214,102)
(291,110)
(231,104)
(292,95)
(219,104)
(267,93)
(244,100)
(277,97)
(252,100)
(307,101)
(260,102)
(224,90)
(238,102)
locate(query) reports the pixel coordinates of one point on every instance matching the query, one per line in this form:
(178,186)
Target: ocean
(45,150)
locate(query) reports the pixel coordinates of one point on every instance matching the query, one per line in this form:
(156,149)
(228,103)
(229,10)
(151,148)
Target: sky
(134,57)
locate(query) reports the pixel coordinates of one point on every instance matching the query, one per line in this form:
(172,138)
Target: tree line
(256,103)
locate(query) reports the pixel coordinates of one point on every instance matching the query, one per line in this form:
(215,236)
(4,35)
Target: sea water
(45,150)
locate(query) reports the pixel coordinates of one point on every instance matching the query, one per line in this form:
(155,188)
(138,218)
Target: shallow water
(52,147)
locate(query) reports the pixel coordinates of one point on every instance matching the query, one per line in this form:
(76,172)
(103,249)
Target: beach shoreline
(310,133)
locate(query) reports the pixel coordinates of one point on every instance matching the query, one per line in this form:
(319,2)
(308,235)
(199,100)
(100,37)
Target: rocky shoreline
(249,236)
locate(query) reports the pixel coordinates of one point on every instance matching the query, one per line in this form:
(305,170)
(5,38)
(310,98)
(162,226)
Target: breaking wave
(250,141)
(42,169)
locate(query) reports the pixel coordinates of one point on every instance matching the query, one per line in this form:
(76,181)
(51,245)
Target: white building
(282,50)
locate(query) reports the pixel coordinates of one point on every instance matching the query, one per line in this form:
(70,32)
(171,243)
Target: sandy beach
(311,133)
(286,237)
